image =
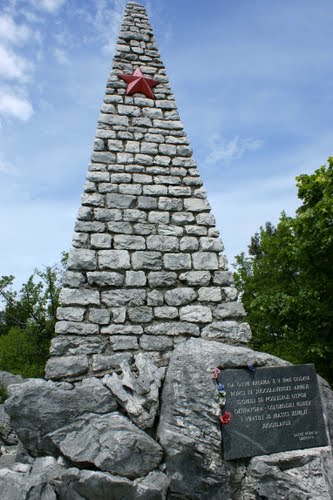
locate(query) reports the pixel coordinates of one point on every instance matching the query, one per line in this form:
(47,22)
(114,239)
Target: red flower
(225,418)
(216,372)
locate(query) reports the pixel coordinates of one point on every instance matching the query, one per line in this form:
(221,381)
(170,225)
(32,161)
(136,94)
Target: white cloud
(12,32)
(105,23)
(13,66)
(227,151)
(61,56)
(14,105)
(48,5)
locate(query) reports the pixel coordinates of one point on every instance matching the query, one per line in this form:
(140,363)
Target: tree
(286,281)
(27,320)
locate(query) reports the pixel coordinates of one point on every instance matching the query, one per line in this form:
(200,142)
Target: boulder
(189,432)
(39,407)
(19,486)
(110,443)
(138,394)
(78,484)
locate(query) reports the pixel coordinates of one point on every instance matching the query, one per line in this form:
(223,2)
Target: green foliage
(27,320)
(3,395)
(287,280)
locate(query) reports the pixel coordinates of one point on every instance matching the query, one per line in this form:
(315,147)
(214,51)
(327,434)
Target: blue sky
(253,82)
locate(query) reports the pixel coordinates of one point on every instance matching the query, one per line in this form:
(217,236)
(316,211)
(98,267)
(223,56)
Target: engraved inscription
(273,409)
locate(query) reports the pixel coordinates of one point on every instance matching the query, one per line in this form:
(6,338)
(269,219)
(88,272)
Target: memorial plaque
(272,410)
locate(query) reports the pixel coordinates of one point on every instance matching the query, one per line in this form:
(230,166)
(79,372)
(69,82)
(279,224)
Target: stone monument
(146,270)
(132,406)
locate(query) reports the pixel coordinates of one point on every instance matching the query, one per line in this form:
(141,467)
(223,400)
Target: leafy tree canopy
(286,281)
(27,320)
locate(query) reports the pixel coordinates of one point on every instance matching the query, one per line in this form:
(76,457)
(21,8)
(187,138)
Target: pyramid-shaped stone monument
(146,270)
(151,393)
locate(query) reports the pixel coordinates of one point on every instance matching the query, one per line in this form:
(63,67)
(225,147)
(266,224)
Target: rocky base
(119,437)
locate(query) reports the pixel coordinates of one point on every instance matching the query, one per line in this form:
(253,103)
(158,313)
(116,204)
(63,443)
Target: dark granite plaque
(272,410)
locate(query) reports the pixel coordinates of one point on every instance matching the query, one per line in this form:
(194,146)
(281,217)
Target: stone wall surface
(146,269)
(149,310)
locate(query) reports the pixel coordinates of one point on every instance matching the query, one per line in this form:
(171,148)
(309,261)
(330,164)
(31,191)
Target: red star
(139,83)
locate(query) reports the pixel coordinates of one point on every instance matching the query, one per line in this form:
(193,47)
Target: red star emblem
(139,83)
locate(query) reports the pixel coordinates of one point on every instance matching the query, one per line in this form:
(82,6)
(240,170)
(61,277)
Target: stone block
(228,310)
(124,297)
(121,178)
(188,244)
(196,230)
(163,243)
(162,279)
(210,294)
(170,230)
(105,279)
(75,327)
(129,242)
(70,313)
(205,261)
(196,278)
(230,293)
(115,200)
(120,227)
(134,189)
(88,227)
(124,343)
(82,259)
(196,314)
(155,343)
(75,345)
(81,297)
(122,329)
(223,278)
(114,259)
(155,298)
(159,217)
(147,260)
(115,146)
(135,278)
(177,261)
(211,244)
(134,215)
(166,312)
(155,190)
(106,215)
(67,366)
(173,328)
(73,279)
(118,314)
(182,218)
(85,213)
(99,316)
(142,179)
(144,229)
(140,315)
(229,331)
(170,204)
(180,296)
(100,241)
(196,205)
(205,219)
(147,202)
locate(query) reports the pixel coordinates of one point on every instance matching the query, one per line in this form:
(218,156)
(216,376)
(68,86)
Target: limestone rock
(109,442)
(39,407)
(138,395)
(190,434)
(78,484)
(18,486)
